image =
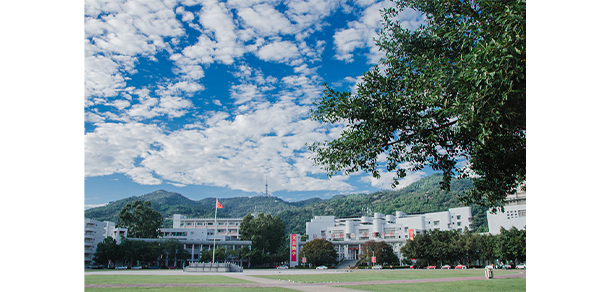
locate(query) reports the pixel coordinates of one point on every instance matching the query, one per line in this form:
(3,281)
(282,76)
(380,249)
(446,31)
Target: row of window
(210,223)
(515,214)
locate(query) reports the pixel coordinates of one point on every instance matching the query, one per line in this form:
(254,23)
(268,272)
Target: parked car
(95,267)
(282,267)
(490,267)
(507,266)
(121,268)
(321,267)
(377,267)
(154,267)
(415,267)
(446,267)
(521,266)
(431,267)
(136,268)
(172,267)
(463,267)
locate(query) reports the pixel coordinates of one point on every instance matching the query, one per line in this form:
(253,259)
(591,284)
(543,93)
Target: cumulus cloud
(387,178)
(360,34)
(265,20)
(227,152)
(281,52)
(115,32)
(259,128)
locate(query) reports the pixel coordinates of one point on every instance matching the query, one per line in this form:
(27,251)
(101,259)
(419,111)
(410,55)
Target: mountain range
(422,196)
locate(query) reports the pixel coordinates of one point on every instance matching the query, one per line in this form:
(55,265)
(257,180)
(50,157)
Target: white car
(321,268)
(282,267)
(521,266)
(446,267)
(377,267)
(121,268)
(489,267)
(136,268)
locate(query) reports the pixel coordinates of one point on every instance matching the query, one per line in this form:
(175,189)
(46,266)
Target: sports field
(294,280)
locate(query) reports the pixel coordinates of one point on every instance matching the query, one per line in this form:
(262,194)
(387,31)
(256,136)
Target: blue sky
(211,98)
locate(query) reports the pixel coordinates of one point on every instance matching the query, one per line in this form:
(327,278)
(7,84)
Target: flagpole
(215,228)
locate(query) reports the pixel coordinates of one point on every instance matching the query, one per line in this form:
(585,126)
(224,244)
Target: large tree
(107,251)
(383,252)
(319,252)
(140,219)
(265,231)
(449,95)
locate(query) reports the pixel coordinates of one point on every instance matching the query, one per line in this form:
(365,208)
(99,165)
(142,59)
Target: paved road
(248,275)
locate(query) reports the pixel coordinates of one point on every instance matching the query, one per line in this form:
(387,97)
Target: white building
(197,235)
(95,232)
(350,233)
(513,215)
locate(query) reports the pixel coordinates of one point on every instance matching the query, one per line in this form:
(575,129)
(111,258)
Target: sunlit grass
(191,289)
(496,285)
(363,276)
(155,279)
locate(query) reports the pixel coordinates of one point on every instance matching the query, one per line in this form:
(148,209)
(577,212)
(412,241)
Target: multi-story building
(348,234)
(95,232)
(197,235)
(513,215)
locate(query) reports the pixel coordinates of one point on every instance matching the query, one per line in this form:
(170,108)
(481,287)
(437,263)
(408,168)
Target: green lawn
(496,285)
(153,279)
(362,276)
(190,289)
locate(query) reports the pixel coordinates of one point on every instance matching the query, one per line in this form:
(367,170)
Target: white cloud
(265,20)
(227,152)
(387,178)
(360,34)
(280,51)
(116,31)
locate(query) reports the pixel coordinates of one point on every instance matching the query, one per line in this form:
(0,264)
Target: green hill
(422,196)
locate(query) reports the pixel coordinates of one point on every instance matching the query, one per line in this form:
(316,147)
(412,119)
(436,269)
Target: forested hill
(422,196)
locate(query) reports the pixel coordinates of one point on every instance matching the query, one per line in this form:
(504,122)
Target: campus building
(513,215)
(348,234)
(95,232)
(196,234)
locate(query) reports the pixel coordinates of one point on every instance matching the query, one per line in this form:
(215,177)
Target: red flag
(218,205)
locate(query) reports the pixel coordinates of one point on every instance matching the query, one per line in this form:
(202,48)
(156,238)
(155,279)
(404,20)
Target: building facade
(196,234)
(514,214)
(95,232)
(350,233)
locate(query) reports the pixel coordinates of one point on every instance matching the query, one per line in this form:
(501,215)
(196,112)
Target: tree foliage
(266,232)
(510,245)
(106,251)
(383,252)
(449,91)
(319,252)
(451,247)
(140,219)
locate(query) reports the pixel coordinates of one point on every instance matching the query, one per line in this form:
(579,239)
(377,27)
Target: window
(459,224)
(459,217)
(437,222)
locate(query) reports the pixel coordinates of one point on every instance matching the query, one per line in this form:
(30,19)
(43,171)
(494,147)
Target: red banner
(411,234)
(293,247)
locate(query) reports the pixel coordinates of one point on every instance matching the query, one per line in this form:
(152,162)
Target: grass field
(502,285)
(190,289)
(153,279)
(496,285)
(363,276)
